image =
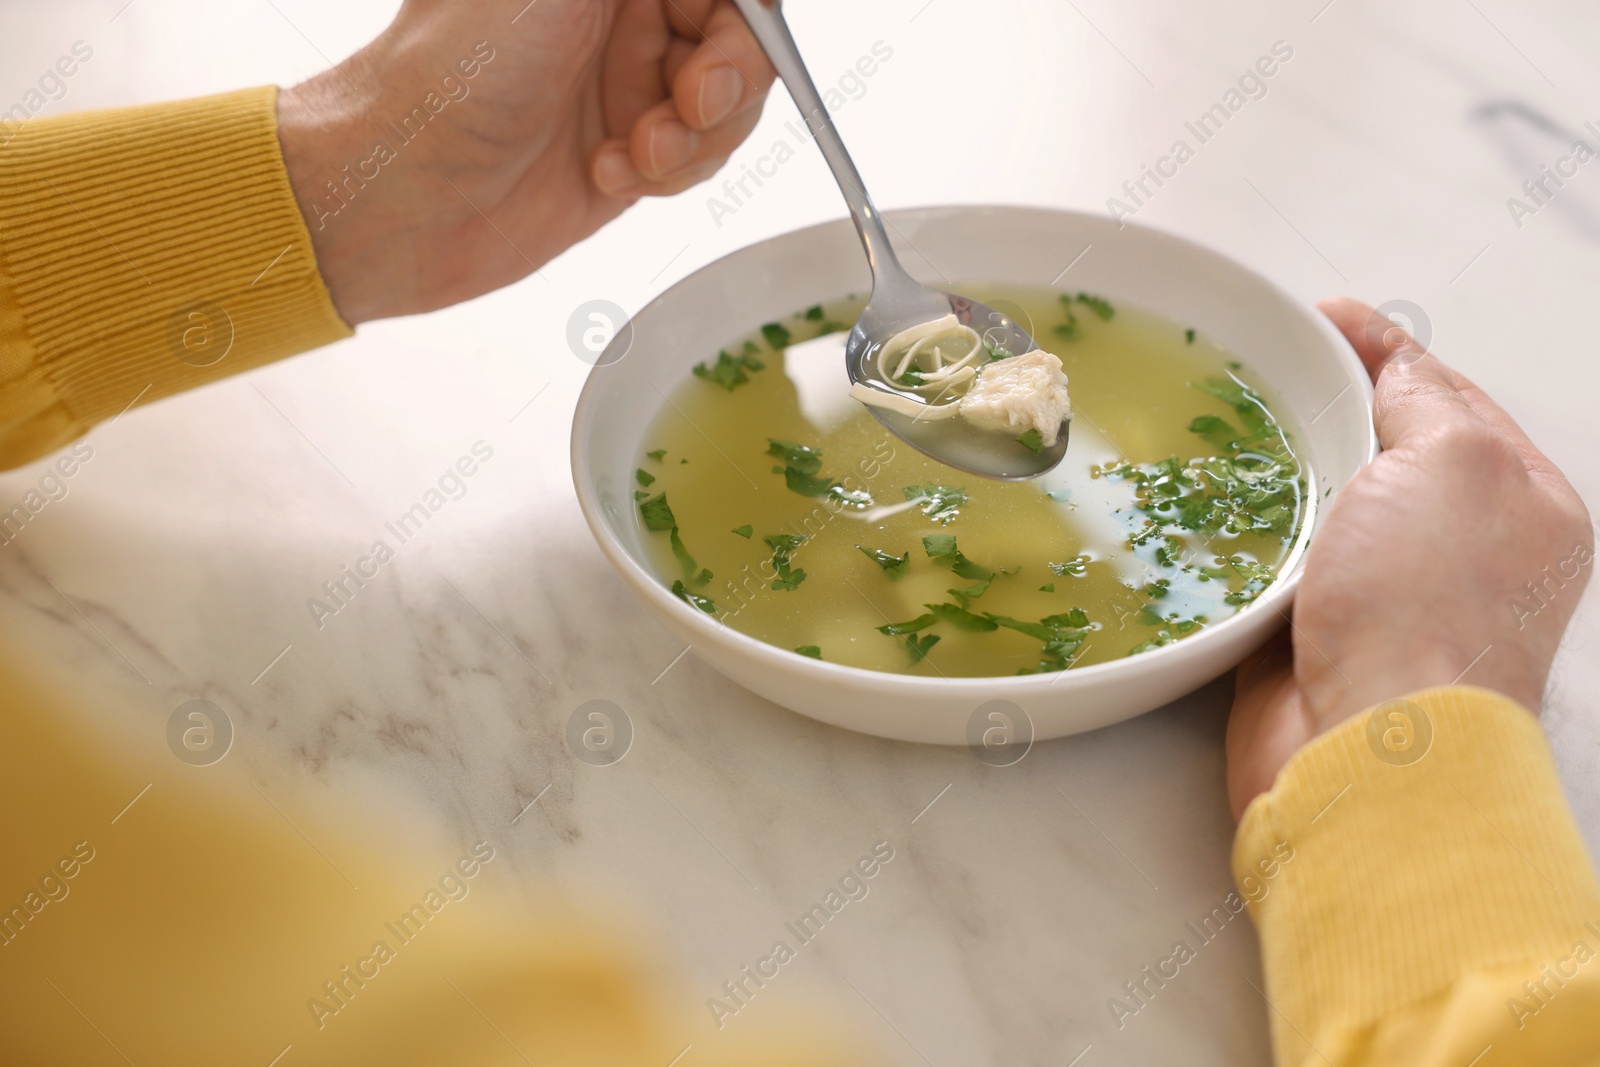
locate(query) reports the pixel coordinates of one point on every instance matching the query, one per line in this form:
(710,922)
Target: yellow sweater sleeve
(144,251)
(1422,894)
(157,909)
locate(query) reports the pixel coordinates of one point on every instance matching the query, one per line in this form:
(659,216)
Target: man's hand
(1420,573)
(473,142)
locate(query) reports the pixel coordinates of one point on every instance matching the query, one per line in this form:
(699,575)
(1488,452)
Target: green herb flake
(814,651)
(644,477)
(691,569)
(892,565)
(814,313)
(1033,440)
(1076,619)
(1036,630)
(1050,588)
(658,455)
(640,494)
(705,604)
(919,649)
(1063,638)
(1188,337)
(745,531)
(971,592)
(801,457)
(1218,431)
(942,547)
(895,629)
(1076,567)
(941,503)
(962,618)
(783,547)
(996,352)
(776,335)
(730,372)
(656,514)
(800,470)
(1162,638)
(1098,305)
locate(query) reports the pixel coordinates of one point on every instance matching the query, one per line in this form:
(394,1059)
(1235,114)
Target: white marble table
(1378,163)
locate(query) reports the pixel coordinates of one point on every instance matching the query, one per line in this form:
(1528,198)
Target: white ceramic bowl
(1305,362)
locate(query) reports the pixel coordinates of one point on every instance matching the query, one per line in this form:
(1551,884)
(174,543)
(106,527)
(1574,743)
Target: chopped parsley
(1256,577)
(745,531)
(814,651)
(941,503)
(1063,635)
(996,352)
(640,494)
(776,334)
(942,549)
(656,514)
(1068,331)
(1162,638)
(961,618)
(1033,440)
(1218,431)
(703,603)
(1261,433)
(1049,588)
(658,455)
(892,565)
(895,629)
(802,458)
(1188,337)
(814,313)
(971,592)
(800,470)
(1221,494)
(783,547)
(1099,306)
(919,649)
(730,372)
(691,570)
(644,477)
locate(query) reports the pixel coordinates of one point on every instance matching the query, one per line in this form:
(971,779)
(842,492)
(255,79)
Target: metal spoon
(898,300)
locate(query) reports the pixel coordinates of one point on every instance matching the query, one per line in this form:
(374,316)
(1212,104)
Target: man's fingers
(1412,391)
(1375,339)
(662,156)
(725,76)
(1415,392)
(1414,397)
(639,52)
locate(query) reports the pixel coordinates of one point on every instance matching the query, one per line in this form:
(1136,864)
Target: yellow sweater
(1440,912)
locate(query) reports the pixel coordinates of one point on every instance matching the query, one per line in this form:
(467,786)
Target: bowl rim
(707,627)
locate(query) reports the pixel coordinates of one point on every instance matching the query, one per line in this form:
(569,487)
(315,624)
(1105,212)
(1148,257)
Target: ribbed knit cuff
(144,251)
(1426,839)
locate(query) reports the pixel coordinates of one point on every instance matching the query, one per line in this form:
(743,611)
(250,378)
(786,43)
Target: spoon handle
(772,31)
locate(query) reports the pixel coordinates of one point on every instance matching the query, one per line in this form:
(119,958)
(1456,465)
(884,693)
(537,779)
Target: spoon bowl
(952,442)
(899,301)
